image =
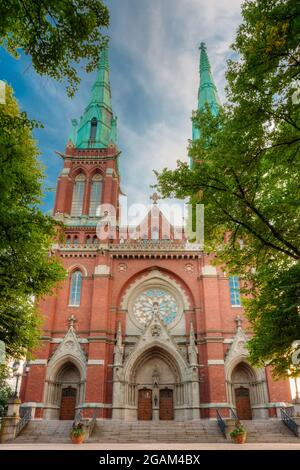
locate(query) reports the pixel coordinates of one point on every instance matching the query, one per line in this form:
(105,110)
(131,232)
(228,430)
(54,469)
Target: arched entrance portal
(155,377)
(247,390)
(155,384)
(64,392)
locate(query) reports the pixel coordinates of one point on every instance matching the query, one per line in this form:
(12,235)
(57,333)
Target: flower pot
(77,439)
(240,438)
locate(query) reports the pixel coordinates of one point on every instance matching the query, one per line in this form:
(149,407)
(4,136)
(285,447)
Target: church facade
(143,327)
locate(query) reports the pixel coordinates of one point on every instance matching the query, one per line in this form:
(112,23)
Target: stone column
(10,421)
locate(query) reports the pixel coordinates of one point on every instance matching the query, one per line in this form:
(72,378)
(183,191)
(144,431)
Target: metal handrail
(289,422)
(233,414)
(24,420)
(221,423)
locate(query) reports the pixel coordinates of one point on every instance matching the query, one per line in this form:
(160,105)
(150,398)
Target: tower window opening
(78,193)
(96,196)
(93,129)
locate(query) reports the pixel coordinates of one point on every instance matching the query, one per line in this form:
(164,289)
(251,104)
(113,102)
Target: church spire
(98,126)
(207,92)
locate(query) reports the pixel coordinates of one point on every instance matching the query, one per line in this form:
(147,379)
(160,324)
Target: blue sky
(154,77)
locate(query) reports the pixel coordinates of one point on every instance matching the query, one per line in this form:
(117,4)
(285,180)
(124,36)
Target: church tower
(90,174)
(207,92)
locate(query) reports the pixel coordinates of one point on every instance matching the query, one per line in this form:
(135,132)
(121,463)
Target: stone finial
(192,349)
(239,322)
(119,348)
(155,198)
(72,320)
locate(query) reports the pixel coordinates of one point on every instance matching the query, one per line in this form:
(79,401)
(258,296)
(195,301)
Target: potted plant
(239,433)
(77,433)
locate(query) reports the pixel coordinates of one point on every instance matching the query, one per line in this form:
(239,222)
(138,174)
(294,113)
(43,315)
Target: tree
(246,169)
(55,33)
(5,390)
(27,269)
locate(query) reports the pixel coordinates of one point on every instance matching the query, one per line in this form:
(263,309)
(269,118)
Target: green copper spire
(98,126)
(207,93)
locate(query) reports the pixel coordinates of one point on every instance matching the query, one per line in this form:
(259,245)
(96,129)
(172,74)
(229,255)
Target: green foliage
(274,314)
(246,170)
(55,33)
(77,430)
(27,268)
(238,430)
(5,390)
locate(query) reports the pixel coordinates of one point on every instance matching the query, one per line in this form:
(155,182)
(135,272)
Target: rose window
(155,301)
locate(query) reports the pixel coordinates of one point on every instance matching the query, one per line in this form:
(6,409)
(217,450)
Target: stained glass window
(234,286)
(153,301)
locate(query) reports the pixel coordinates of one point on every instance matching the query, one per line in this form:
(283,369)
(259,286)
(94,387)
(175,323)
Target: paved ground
(140,446)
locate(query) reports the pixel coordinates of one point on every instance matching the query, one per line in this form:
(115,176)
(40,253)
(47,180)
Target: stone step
(116,431)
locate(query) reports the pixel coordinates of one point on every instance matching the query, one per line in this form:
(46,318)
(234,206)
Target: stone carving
(192,348)
(155,330)
(69,347)
(238,347)
(155,377)
(122,267)
(119,348)
(189,268)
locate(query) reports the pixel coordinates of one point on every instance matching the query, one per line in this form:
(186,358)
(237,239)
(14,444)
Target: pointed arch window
(78,193)
(93,131)
(76,287)
(96,195)
(234,287)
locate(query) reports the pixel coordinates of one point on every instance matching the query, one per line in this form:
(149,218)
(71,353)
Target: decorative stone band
(38,362)
(94,405)
(95,362)
(32,404)
(216,405)
(215,362)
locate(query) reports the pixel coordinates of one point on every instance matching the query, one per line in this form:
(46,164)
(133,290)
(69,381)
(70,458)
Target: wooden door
(68,403)
(243,403)
(166,406)
(145,404)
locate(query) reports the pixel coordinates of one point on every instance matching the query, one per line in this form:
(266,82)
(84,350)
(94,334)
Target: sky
(154,60)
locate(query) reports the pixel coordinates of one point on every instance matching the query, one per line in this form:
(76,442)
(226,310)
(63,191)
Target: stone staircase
(114,431)
(45,431)
(157,432)
(271,430)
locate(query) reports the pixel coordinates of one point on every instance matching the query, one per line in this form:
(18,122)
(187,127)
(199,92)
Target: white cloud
(155,42)
(161,39)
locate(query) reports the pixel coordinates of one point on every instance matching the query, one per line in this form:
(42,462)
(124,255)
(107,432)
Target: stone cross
(155,197)
(72,320)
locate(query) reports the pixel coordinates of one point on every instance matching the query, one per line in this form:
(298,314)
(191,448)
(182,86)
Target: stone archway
(157,373)
(155,364)
(247,390)
(65,390)
(65,370)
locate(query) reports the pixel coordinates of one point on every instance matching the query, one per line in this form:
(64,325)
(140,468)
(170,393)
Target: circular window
(155,301)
